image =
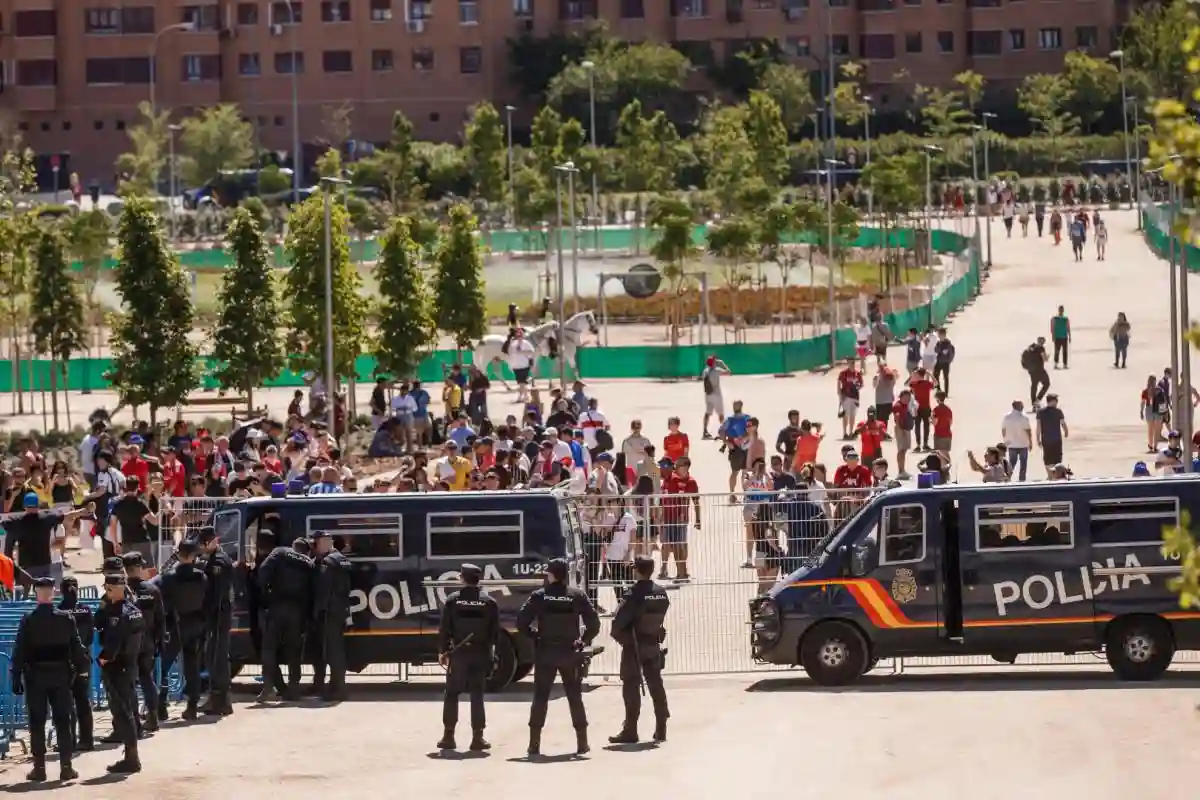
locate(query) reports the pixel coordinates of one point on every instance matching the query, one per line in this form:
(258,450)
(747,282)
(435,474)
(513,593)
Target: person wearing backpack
(1033,361)
(912,350)
(714,368)
(1154,408)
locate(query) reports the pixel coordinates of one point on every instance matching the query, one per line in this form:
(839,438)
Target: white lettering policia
(1042,591)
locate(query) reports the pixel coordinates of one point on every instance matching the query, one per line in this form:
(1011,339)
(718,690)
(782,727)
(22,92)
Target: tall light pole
(570,170)
(1119,55)
(171,131)
(591,71)
(987,176)
(297,155)
(178,26)
(331,385)
(867,137)
(512,188)
(975,129)
(834,316)
(929,149)
(1137,156)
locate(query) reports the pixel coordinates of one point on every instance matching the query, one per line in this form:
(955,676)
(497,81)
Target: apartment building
(72,74)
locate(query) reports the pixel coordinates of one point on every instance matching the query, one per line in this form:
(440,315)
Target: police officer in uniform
(557,610)
(467,640)
(112,565)
(218,609)
(46,658)
(285,580)
(331,607)
(638,628)
(149,601)
(184,588)
(121,629)
(81,687)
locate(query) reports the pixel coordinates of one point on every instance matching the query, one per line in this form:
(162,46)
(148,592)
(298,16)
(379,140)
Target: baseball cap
(30,500)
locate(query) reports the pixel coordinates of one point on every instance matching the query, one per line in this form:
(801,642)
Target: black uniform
(218,613)
(285,580)
(121,628)
(469,634)
(81,687)
(184,588)
(638,628)
(331,606)
(149,601)
(557,610)
(46,658)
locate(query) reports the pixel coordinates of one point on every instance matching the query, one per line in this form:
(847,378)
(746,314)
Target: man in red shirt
(871,435)
(849,387)
(174,475)
(905,421)
(673,535)
(136,466)
(852,474)
(922,389)
(943,418)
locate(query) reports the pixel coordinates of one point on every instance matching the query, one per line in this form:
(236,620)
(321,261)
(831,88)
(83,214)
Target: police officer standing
(46,658)
(557,609)
(467,639)
(638,628)
(184,588)
(218,609)
(121,630)
(331,606)
(149,601)
(81,687)
(285,581)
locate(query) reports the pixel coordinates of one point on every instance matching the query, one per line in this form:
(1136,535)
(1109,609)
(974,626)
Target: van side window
(1132,520)
(475,534)
(1024,526)
(363,537)
(903,534)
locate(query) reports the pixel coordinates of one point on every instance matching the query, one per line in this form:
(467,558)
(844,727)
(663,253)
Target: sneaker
(903,476)
(125,767)
(707,436)
(747,564)
(683,579)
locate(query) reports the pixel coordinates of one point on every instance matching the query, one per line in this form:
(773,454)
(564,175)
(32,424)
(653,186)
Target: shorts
(849,406)
(714,404)
(903,439)
(674,532)
(1052,453)
(737,459)
(942,443)
(1152,416)
(929,362)
(862,350)
(522,375)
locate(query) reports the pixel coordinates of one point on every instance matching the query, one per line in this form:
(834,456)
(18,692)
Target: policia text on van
(405,551)
(999,570)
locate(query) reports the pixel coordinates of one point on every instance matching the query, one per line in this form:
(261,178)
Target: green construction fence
(1155,231)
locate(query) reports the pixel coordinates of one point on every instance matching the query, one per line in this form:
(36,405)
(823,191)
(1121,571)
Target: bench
(232,403)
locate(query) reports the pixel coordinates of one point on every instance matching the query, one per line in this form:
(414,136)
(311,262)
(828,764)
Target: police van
(405,551)
(998,570)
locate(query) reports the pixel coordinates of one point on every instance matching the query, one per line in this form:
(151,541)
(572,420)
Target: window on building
(249,64)
(337,61)
(201,18)
(419,9)
(984,43)
(1050,38)
(984,3)
(945,40)
(200,68)
(912,2)
(470,60)
(335,11)
(131,19)
(422,59)
(43,22)
(633,9)
(691,8)
(247,13)
(522,9)
(1087,37)
(287,63)
(764,3)
(287,13)
(109,71)
(912,43)
(37,72)
(382,61)
(841,44)
(574,10)
(838,3)
(491,534)
(381,10)
(468,12)
(876,5)
(1016,39)
(877,45)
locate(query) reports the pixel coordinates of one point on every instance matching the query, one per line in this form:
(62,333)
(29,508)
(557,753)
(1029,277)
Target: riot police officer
(218,610)
(121,629)
(557,609)
(331,606)
(467,640)
(46,658)
(149,601)
(81,687)
(638,628)
(285,581)
(184,588)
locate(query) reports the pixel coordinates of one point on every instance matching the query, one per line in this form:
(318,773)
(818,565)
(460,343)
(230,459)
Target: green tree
(246,342)
(647,155)
(329,165)
(944,112)
(730,157)
(1092,84)
(849,103)
(1151,42)
(732,242)
(392,169)
(545,140)
(791,90)
(897,182)
(534,203)
(459,300)
(140,167)
(971,84)
(1044,98)
(768,138)
(57,311)
(154,362)
(305,286)
(89,237)
(216,139)
(484,141)
(406,328)
(671,219)
(623,72)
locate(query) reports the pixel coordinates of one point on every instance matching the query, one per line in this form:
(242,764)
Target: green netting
(1154,231)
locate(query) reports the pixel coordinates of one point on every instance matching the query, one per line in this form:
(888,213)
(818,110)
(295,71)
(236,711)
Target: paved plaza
(1029,733)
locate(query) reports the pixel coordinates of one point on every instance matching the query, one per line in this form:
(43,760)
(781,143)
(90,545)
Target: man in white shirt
(714,403)
(591,421)
(87,454)
(404,411)
(1018,438)
(602,477)
(562,450)
(521,356)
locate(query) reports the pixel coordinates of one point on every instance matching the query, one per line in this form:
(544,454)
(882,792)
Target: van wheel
(522,672)
(506,665)
(1139,648)
(834,654)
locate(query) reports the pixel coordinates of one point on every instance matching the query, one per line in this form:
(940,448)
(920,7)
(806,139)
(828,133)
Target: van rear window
(1024,526)
(463,535)
(1132,520)
(363,537)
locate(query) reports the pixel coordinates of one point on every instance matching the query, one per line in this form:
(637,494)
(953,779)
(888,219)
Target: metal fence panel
(182,518)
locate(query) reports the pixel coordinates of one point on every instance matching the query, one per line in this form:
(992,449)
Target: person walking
(1008,213)
(1119,333)
(1051,433)
(1056,224)
(1039,217)
(1017,435)
(1101,239)
(1154,405)
(1023,216)
(1060,333)
(1033,361)
(944,352)
(714,403)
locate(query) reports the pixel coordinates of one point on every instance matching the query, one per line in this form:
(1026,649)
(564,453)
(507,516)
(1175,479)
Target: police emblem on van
(904,586)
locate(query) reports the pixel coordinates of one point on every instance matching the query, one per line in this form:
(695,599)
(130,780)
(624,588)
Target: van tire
(1139,648)
(834,654)
(506,664)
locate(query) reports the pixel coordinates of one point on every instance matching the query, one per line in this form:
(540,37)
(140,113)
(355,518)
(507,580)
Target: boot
(660,730)
(535,742)
(191,712)
(129,764)
(211,706)
(581,742)
(84,746)
(112,738)
(628,735)
(478,743)
(447,741)
(226,707)
(150,725)
(66,772)
(267,695)
(163,699)
(38,773)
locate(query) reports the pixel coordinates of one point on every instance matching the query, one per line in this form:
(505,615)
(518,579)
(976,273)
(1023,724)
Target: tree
(545,140)
(971,84)
(897,182)
(1151,42)
(140,167)
(622,72)
(246,342)
(534,202)
(1044,98)
(849,104)
(944,112)
(305,286)
(792,92)
(153,358)
(17,240)
(392,169)
(1092,84)
(461,307)
(647,155)
(57,310)
(768,138)
(89,238)
(485,145)
(329,165)
(406,328)
(216,139)
(733,242)
(671,219)
(730,157)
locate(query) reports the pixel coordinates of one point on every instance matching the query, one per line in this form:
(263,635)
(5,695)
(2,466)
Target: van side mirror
(845,556)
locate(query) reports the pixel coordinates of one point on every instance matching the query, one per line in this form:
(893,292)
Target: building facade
(73,73)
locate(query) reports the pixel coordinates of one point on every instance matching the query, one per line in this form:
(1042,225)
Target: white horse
(488,350)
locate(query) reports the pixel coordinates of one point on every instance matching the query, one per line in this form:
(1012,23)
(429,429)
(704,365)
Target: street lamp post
(590,66)
(987,176)
(512,188)
(867,140)
(1119,55)
(178,26)
(975,129)
(1137,156)
(570,170)
(331,385)
(171,131)
(834,315)
(929,149)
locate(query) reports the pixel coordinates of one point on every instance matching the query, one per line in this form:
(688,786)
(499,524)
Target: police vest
(558,620)
(471,619)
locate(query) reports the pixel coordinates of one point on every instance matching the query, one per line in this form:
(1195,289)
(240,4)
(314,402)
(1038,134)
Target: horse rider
(514,314)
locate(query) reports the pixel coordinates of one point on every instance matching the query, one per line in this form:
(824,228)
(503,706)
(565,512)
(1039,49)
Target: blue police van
(994,569)
(405,551)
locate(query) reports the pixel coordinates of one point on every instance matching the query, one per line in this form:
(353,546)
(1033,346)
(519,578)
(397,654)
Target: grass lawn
(861,273)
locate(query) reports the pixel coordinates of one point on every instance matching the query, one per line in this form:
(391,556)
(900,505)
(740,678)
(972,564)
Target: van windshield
(572,527)
(829,542)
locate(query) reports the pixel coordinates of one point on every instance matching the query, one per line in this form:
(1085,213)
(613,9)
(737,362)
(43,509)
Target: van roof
(425,497)
(1079,483)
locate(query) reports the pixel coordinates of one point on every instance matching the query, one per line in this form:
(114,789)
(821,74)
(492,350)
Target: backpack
(1029,358)
(604,440)
(709,387)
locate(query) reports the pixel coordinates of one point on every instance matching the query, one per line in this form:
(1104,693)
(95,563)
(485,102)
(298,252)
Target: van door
(902,595)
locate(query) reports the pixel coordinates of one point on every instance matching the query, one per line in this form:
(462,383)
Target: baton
(637,653)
